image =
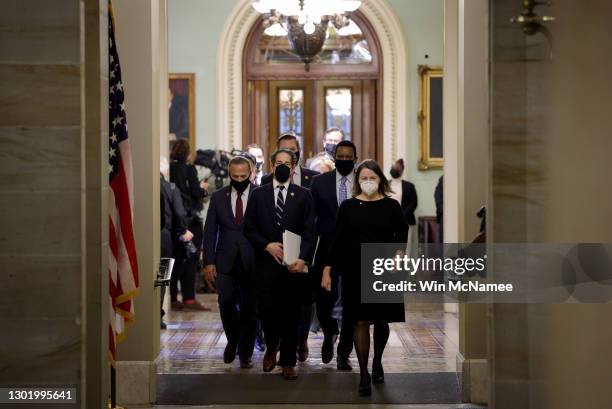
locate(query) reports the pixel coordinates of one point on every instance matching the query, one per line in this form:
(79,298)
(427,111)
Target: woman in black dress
(371,216)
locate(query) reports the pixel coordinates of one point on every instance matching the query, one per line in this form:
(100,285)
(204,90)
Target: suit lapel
(227,198)
(334,190)
(289,201)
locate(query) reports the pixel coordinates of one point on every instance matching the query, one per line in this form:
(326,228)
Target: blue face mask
(330,148)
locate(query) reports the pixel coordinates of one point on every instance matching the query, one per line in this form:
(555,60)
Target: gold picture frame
(430,117)
(182,86)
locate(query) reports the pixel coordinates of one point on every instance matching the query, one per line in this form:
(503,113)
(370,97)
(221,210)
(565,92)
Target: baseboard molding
(136,382)
(474,379)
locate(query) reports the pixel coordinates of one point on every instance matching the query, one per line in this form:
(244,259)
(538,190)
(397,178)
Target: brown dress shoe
(269,361)
(176,305)
(289,373)
(195,306)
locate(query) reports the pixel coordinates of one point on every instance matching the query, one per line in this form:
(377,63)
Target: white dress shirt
(234,198)
(297,175)
(396,187)
(350,182)
(276,184)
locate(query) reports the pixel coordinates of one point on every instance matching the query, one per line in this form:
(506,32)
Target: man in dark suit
(404,192)
(329,190)
(229,262)
(301,176)
(281,289)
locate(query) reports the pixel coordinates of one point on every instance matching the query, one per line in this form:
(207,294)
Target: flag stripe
(123,263)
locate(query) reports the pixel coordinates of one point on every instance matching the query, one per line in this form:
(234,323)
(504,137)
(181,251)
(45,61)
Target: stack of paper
(291,248)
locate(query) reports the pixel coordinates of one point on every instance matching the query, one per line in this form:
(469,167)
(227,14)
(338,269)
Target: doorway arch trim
(395,105)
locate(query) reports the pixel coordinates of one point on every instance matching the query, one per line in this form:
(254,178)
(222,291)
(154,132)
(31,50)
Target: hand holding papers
(291,252)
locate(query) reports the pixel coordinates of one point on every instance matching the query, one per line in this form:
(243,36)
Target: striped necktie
(280,206)
(342,191)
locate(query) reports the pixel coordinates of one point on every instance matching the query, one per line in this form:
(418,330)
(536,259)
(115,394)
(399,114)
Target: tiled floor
(194,343)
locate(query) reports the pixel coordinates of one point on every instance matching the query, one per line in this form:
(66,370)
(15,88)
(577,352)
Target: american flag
(123,266)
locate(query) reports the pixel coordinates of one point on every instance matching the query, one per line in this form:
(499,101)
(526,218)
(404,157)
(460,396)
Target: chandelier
(305,22)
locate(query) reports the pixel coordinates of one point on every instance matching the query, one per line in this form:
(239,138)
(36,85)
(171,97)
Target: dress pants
(237,308)
(280,307)
(325,301)
(185,268)
(184,271)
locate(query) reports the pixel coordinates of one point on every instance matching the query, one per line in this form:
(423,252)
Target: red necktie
(239,211)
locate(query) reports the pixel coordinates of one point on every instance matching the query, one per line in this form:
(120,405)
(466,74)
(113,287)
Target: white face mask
(368,187)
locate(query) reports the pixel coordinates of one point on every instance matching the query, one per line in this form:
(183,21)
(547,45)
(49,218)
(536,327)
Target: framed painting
(181,108)
(430,118)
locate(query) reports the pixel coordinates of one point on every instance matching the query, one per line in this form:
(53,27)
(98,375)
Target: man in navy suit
(329,190)
(281,289)
(301,176)
(229,262)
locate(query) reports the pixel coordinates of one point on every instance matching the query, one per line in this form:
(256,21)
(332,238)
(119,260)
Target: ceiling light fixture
(306,22)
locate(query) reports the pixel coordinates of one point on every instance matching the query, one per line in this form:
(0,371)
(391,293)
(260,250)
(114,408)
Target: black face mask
(259,165)
(345,166)
(395,173)
(240,186)
(281,173)
(330,148)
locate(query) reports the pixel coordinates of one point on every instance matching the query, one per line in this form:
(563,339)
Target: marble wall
(550,148)
(51,195)
(40,193)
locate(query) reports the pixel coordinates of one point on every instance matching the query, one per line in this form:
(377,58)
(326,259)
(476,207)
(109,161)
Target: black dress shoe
(365,386)
(162,325)
(378,374)
(302,352)
(327,350)
(246,363)
(343,364)
(229,354)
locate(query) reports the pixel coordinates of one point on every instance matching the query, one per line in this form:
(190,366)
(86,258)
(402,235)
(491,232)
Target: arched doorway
(342,89)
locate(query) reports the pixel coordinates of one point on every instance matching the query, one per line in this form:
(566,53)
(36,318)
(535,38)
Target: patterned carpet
(194,341)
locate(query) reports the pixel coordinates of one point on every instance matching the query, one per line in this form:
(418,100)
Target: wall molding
(394,76)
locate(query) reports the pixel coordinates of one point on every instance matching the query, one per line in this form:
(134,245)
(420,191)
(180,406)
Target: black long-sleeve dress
(359,221)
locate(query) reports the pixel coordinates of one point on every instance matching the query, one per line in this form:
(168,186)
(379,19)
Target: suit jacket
(325,198)
(224,240)
(306,174)
(185,177)
(409,202)
(173,216)
(260,227)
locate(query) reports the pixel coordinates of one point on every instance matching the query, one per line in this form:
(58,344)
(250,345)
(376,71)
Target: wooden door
(309,107)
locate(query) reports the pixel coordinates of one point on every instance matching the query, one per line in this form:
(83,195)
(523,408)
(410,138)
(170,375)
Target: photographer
(184,175)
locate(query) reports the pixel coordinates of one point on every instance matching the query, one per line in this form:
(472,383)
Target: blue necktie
(342,191)
(280,206)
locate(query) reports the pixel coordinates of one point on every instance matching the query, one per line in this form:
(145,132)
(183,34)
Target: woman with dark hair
(185,176)
(371,216)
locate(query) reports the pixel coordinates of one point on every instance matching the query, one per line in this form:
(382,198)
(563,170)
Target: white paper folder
(291,248)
